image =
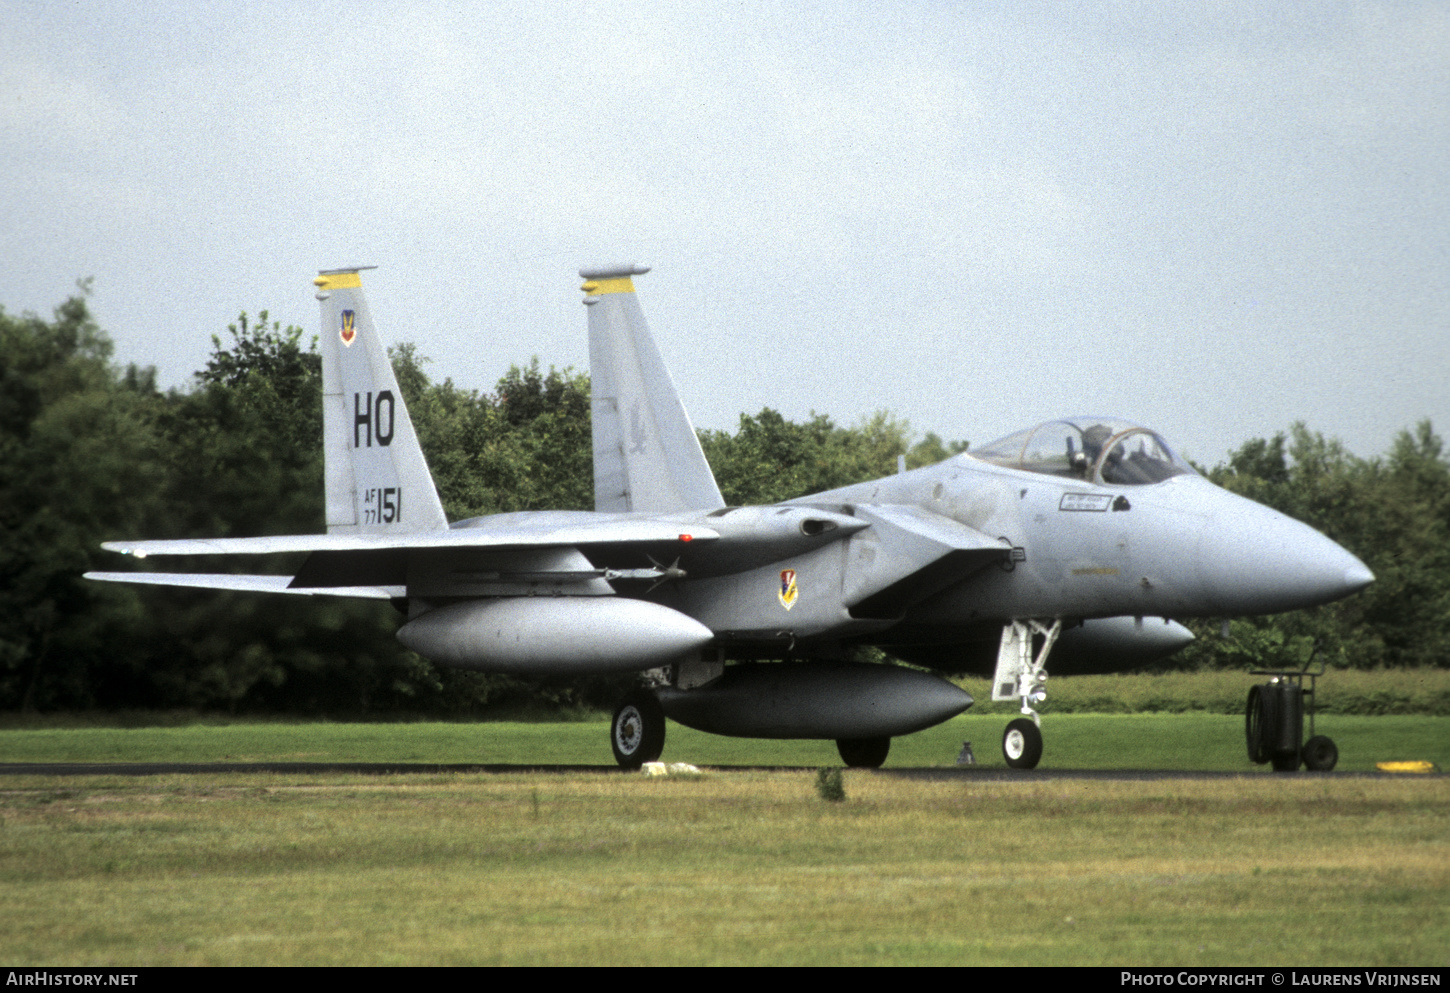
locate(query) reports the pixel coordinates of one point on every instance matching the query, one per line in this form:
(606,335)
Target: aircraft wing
(246,584)
(522,531)
(509,554)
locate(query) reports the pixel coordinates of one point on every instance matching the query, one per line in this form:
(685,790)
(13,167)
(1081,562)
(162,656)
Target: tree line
(90,451)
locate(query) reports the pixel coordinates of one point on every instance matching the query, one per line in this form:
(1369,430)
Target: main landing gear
(1022,675)
(637,735)
(637,732)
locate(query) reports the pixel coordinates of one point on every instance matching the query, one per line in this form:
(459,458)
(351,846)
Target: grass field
(734,867)
(738,867)
(1365,692)
(1187,741)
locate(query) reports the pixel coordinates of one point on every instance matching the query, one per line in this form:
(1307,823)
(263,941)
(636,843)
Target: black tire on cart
(1321,754)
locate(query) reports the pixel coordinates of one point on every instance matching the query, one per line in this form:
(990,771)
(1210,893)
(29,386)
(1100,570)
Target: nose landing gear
(1021,675)
(1022,744)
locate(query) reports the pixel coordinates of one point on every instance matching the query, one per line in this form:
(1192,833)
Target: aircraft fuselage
(1066,548)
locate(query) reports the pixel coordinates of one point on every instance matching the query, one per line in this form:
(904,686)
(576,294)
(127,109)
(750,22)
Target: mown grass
(1340,691)
(1377,692)
(1187,741)
(731,868)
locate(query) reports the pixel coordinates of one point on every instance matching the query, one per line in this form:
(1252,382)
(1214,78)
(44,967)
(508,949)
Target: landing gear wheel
(863,753)
(1320,754)
(637,732)
(1022,744)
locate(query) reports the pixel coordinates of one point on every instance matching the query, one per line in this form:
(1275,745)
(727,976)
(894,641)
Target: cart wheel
(1320,753)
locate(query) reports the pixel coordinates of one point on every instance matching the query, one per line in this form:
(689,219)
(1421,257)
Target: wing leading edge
(520,536)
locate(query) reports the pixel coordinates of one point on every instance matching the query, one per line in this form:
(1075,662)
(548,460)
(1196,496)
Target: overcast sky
(1215,218)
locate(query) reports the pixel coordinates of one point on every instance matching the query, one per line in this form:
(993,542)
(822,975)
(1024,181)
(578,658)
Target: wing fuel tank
(554,635)
(816,700)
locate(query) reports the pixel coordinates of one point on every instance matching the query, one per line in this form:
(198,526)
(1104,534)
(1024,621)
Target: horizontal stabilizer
(245,584)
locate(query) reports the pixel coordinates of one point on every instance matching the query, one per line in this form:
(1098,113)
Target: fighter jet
(1062,547)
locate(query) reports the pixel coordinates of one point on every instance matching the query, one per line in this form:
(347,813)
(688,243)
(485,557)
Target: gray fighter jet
(1068,543)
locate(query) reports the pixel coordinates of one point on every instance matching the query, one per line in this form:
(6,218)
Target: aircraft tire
(1320,754)
(863,753)
(637,732)
(1022,744)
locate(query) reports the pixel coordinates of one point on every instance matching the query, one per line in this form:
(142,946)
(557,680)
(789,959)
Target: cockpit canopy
(1096,449)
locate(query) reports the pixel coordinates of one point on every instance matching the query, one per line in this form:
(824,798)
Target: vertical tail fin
(646,454)
(376,477)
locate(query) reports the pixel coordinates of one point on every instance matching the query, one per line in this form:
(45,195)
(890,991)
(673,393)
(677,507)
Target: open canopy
(1096,449)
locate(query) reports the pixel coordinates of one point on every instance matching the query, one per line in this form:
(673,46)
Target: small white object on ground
(673,769)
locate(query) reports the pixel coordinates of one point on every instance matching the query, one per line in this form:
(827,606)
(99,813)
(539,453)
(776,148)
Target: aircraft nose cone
(1258,561)
(1357,577)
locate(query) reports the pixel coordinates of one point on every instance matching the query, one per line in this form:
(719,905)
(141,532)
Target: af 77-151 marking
(1070,541)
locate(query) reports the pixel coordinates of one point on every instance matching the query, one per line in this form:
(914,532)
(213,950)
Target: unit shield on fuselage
(1104,450)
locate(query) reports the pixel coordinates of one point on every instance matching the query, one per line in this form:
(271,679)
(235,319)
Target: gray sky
(1213,218)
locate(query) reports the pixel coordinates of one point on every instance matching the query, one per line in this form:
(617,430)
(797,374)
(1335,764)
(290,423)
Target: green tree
(89,452)
(931,449)
(1392,512)
(770,459)
(77,444)
(525,447)
(544,460)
